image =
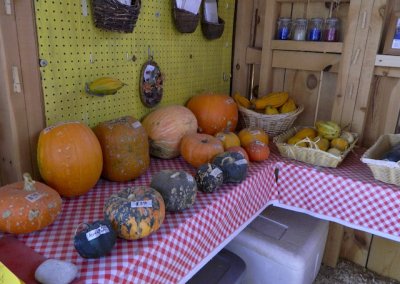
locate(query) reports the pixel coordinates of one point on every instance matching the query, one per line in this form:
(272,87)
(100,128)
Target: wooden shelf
(387,61)
(312,46)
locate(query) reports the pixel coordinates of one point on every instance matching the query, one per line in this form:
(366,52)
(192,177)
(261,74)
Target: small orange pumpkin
(125,147)
(198,149)
(228,139)
(250,134)
(28,206)
(69,158)
(257,151)
(214,112)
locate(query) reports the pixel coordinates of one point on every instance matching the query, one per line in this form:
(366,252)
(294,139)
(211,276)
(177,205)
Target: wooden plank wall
(21,110)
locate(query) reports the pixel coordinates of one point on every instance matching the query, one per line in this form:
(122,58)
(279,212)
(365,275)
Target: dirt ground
(347,272)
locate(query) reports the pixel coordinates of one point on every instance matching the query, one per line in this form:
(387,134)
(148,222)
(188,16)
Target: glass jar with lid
(299,29)
(315,29)
(283,31)
(331,29)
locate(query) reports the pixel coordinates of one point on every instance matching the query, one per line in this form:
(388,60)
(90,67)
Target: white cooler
(281,247)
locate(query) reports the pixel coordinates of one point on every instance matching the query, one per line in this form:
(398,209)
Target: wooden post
(21,115)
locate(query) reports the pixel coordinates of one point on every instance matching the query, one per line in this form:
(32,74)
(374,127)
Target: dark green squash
(393,154)
(209,177)
(178,189)
(233,165)
(96,240)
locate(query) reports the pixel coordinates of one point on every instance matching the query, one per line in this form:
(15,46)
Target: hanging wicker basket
(212,30)
(185,22)
(113,16)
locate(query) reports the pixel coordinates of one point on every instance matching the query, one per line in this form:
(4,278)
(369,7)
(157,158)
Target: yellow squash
(275,99)
(103,86)
(242,101)
(288,106)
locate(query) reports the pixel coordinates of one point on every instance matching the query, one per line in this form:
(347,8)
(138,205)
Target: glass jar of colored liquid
(331,30)
(283,31)
(315,29)
(299,29)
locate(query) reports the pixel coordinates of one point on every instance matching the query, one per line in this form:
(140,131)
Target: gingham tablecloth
(181,243)
(348,195)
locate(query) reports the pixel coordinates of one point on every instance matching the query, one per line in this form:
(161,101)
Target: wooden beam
(307,61)
(346,61)
(333,47)
(271,15)
(243,24)
(22,115)
(387,61)
(384,257)
(253,55)
(368,64)
(387,72)
(333,244)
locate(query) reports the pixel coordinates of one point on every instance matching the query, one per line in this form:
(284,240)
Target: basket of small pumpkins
(324,145)
(275,113)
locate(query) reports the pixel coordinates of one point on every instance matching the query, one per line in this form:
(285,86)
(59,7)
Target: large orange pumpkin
(198,149)
(27,206)
(214,112)
(125,148)
(166,126)
(69,158)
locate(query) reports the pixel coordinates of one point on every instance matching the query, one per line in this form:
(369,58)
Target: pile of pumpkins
(72,157)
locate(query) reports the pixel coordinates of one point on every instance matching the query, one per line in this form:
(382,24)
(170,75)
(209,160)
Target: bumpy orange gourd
(69,158)
(198,149)
(250,134)
(125,147)
(166,126)
(214,112)
(27,206)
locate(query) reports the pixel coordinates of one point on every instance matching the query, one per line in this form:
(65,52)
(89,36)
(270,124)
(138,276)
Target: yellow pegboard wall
(77,52)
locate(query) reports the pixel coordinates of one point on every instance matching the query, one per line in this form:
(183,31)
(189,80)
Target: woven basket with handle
(272,124)
(386,171)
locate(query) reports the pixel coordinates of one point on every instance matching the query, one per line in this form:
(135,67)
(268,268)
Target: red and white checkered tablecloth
(347,194)
(181,243)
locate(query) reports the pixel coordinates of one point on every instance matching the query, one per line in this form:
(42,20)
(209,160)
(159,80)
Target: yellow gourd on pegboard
(76,52)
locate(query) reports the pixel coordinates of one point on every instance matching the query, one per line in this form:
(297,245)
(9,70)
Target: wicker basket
(272,124)
(212,30)
(185,22)
(385,171)
(114,16)
(309,155)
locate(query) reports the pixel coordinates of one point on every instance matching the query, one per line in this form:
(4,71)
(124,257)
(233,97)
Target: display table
(182,244)
(348,195)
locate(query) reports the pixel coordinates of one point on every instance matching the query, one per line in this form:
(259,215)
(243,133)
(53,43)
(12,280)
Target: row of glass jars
(315,29)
